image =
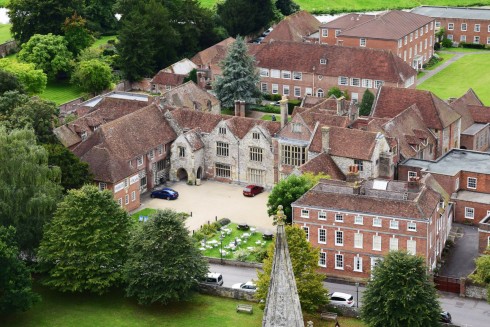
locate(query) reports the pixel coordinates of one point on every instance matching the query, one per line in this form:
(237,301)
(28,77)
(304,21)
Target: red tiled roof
(213,54)
(240,126)
(392,25)
(461,106)
(436,113)
(190,119)
(191,96)
(324,164)
(341,61)
(347,21)
(480,114)
(165,78)
(294,27)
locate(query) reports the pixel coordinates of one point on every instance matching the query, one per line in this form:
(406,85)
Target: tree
(304,259)
(9,82)
(240,78)
(15,280)
(100,15)
(289,190)
(33,80)
(77,35)
(147,41)
(84,246)
(163,264)
(29,188)
(235,15)
(335,91)
(287,7)
(482,273)
(400,294)
(366,103)
(29,17)
(49,53)
(74,172)
(192,76)
(93,76)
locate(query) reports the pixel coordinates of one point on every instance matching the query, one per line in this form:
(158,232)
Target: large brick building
(469,25)
(462,173)
(409,36)
(355,224)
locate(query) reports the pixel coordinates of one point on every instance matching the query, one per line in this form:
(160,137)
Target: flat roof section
(118,95)
(453,162)
(473,129)
(469,196)
(453,12)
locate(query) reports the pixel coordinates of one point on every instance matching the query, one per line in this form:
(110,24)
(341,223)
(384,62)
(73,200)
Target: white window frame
(377,243)
(378,83)
(297,76)
(476,39)
(464,27)
(355,81)
(140,160)
(286,74)
(438,24)
(275,73)
(393,244)
(343,80)
(377,222)
(323,61)
(297,91)
(412,174)
(339,218)
(322,215)
(324,32)
(358,240)
(362,42)
(322,259)
(337,33)
(473,181)
(339,258)
(305,213)
(102,186)
(264,72)
(411,226)
(339,235)
(469,213)
(306,229)
(322,232)
(462,38)
(275,89)
(394,224)
(477,28)
(133,196)
(358,263)
(285,89)
(412,247)
(368,83)
(126,199)
(359,220)
(263,87)
(450,26)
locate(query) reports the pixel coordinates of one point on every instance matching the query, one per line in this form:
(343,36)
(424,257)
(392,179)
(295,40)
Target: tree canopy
(33,80)
(482,272)
(235,15)
(9,82)
(400,294)
(163,264)
(47,52)
(289,190)
(77,36)
(85,245)
(29,188)
(15,280)
(287,7)
(239,80)
(92,76)
(366,103)
(304,259)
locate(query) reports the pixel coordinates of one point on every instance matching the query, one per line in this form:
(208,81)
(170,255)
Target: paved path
(460,261)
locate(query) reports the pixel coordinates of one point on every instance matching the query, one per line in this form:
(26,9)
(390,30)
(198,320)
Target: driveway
(461,260)
(213,199)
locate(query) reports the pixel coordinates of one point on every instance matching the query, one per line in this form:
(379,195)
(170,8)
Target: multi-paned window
(477,27)
(275,73)
(358,220)
(450,26)
(324,32)
(411,226)
(275,88)
(181,152)
(140,160)
(357,263)
(354,81)
(307,232)
(394,224)
(376,243)
(360,164)
(472,182)
(476,39)
(469,213)
(256,176)
(368,83)
(339,261)
(305,213)
(222,130)
(378,84)
(362,42)
(151,154)
(285,89)
(286,74)
(339,217)
(297,76)
(160,165)
(412,174)
(339,238)
(223,170)
(393,244)
(323,61)
(322,259)
(126,199)
(102,186)
(297,91)
(358,240)
(263,87)
(222,149)
(322,215)
(343,80)
(293,155)
(377,222)
(264,72)
(322,236)
(256,136)
(464,26)
(412,247)
(133,196)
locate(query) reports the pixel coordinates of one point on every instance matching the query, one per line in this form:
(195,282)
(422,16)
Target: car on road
(213,278)
(248,286)
(165,193)
(446,317)
(344,299)
(252,190)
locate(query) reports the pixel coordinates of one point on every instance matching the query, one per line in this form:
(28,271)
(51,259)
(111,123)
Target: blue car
(165,193)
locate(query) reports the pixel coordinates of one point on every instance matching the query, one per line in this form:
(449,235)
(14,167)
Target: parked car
(344,299)
(446,317)
(243,226)
(248,286)
(214,279)
(267,32)
(252,190)
(165,193)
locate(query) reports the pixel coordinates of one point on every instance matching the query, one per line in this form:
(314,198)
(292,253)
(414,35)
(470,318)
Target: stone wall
(235,263)
(226,292)
(7,48)
(475,291)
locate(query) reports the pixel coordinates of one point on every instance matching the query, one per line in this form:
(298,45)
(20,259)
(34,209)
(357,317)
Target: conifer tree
(366,103)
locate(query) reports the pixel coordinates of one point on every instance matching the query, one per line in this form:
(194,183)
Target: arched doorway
(320,93)
(199,173)
(182,174)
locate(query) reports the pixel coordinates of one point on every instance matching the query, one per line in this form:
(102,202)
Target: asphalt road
(465,312)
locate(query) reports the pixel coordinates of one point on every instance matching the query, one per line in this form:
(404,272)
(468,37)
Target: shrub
(292,104)
(437,46)
(241,255)
(217,226)
(224,221)
(447,43)
(260,254)
(472,45)
(208,230)
(198,236)
(432,61)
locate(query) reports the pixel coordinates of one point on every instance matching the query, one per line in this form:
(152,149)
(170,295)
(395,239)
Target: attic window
(256,136)
(83,135)
(222,130)
(296,128)
(323,61)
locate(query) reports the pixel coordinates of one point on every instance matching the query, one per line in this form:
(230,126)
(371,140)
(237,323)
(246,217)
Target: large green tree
(85,245)
(15,280)
(400,294)
(304,259)
(48,52)
(287,7)
(77,36)
(147,41)
(235,15)
(33,80)
(29,17)
(9,82)
(92,76)
(29,188)
(100,15)
(366,103)
(239,80)
(289,190)
(163,264)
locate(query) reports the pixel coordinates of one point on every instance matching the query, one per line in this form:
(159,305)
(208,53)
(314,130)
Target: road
(465,312)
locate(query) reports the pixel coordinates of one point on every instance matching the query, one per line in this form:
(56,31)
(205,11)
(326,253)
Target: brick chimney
(326,139)
(353,175)
(283,104)
(237,108)
(242,108)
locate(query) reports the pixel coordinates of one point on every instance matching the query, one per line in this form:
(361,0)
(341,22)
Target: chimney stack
(340,106)
(413,184)
(353,175)
(237,107)
(242,108)
(283,104)
(326,139)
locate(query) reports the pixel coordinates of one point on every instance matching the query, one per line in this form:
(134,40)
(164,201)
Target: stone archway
(199,173)
(182,174)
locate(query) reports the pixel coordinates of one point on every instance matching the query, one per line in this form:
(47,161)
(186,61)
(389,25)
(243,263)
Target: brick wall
(480,211)
(470,32)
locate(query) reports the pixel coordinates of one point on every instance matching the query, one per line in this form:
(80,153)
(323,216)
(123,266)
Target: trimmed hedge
(471,45)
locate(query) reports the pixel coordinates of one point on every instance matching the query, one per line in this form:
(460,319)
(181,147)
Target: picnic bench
(245,308)
(328,316)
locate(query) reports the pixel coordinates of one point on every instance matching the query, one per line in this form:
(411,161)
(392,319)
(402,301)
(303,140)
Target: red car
(252,190)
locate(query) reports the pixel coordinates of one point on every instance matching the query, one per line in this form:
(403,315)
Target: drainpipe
(238,150)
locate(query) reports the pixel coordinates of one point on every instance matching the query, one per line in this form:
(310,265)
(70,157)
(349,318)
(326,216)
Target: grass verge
(145,212)
(103,41)
(61,92)
(464,50)
(5,33)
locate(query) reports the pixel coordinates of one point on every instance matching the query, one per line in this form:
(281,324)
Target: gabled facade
(164,81)
(191,96)
(355,224)
(298,27)
(408,35)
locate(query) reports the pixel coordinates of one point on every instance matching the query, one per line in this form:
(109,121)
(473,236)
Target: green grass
(369,5)
(61,92)
(463,50)
(5,33)
(3,3)
(145,212)
(444,56)
(269,117)
(103,40)
(454,80)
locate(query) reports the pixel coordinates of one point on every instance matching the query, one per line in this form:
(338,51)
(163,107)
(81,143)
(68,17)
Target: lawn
(368,5)
(463,50)
(5,33)
(103,41)
(145,212)
(61,92)
(444,56)
(3,3)
(454,81)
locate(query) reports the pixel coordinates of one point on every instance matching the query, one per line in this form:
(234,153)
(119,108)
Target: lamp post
(221,247)
(357,294)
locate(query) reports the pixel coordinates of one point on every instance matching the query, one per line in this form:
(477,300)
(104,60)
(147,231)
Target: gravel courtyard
(212,199)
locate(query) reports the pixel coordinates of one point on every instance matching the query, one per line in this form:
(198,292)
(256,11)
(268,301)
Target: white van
(214,279)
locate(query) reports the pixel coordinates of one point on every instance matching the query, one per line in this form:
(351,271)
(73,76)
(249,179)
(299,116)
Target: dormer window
(323,61)
(222,130)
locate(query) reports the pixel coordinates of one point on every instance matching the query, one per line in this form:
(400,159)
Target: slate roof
(453,12)
(294,27)
(341,61)
(392,25)
(165,78)
(436,113)
(191,96)
(111,147)
(322,163)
